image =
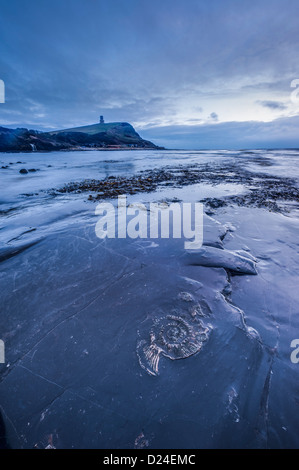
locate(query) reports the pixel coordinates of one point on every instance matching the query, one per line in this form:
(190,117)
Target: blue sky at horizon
(194,74)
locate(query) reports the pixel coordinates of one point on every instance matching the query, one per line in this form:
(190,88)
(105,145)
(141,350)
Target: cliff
(116,135)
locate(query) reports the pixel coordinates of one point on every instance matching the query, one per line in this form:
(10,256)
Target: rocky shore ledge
(263,190)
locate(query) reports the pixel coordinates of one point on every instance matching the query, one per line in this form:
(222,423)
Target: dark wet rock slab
(72,329)
(235,262)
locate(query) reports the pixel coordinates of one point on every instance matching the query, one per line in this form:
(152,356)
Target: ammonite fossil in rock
(172,336)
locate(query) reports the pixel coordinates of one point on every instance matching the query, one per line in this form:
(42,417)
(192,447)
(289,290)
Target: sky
(186,74)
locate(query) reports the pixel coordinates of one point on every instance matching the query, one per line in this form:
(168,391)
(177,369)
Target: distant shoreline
(84,149)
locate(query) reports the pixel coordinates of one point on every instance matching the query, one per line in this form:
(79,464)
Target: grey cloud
(276,105)
(214,116)
(280,133)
